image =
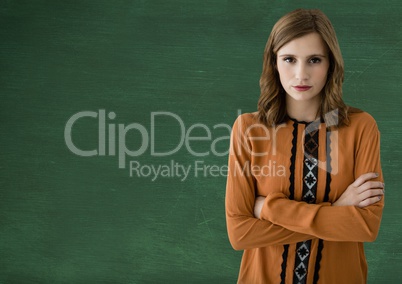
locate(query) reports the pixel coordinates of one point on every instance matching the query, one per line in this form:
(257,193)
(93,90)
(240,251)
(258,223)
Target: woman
(305,186)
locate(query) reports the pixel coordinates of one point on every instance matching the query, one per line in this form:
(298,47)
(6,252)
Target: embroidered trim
(309,195)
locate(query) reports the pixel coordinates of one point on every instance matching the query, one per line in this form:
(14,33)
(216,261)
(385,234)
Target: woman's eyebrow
(308,56)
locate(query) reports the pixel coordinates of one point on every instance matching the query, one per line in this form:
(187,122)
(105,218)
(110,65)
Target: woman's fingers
(370,185)
(371,193)
(259,202)
(369,201)
(363,178)
(362,192)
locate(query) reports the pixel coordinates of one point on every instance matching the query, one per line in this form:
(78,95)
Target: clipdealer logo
(107,145)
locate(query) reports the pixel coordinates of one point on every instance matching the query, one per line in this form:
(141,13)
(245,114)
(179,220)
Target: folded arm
(331,223)
(351,218)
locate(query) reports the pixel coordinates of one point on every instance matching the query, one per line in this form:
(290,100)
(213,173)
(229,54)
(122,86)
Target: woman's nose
(301,72)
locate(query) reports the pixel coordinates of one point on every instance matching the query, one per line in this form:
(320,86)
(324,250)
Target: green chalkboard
(84,83)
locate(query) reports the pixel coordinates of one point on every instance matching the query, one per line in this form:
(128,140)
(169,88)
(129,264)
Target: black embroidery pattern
(310,178)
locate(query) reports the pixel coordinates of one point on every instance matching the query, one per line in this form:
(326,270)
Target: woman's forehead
(307,45)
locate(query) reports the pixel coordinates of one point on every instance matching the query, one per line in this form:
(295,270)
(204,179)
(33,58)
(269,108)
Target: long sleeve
(244,230)
(344,223)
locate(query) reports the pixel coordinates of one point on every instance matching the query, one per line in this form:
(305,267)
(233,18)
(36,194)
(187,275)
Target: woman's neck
(303,110)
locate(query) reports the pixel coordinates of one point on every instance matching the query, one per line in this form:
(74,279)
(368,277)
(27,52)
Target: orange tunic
(301,168)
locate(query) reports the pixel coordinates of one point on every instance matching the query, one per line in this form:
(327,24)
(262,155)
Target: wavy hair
(272,101)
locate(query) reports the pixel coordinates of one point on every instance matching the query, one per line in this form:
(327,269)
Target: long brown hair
(272,102)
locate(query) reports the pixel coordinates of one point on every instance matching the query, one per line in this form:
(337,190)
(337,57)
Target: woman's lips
(302,88)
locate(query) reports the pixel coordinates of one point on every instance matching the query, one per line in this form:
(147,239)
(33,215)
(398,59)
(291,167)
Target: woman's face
(303,67)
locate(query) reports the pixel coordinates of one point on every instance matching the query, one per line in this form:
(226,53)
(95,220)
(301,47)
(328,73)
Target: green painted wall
(71,219)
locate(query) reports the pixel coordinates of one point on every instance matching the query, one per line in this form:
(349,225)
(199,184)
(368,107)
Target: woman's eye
(289,59)
(315,60)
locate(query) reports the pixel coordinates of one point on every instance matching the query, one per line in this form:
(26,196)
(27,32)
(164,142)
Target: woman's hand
(362,192)
(259,202)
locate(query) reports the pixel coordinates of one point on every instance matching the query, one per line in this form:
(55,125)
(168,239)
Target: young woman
(305,186)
